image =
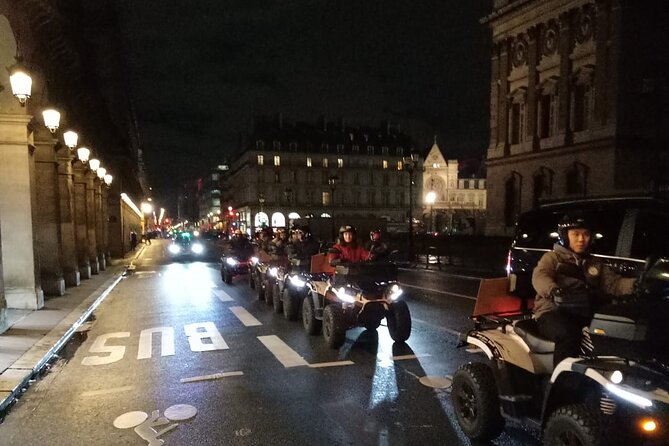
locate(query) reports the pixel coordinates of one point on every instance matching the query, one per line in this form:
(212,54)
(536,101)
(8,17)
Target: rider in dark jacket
(305,246)
(240,246)
(377,248)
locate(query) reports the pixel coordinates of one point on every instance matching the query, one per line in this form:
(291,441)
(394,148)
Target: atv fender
(505,345)
(317,299)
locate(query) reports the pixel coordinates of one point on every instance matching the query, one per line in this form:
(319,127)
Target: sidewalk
(35,336)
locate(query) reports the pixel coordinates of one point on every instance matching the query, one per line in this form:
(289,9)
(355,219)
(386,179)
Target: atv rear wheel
(399,321)
(577,425)
(334,327)
(252,281)
(476,402)
(227,278)
(373,325)
(260,291)
(269,289)
(311,324)
(277,302)
(291,305)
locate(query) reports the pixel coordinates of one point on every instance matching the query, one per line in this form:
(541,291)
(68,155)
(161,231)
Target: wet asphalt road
(210,364)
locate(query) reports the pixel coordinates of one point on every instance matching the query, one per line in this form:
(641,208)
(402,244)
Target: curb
(33,361)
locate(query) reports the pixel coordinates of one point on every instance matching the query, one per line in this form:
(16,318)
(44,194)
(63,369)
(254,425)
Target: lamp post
(430,199)
(409,166)
(332,181)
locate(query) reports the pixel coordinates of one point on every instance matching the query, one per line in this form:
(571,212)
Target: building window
(472,184)
(385,164)
(261,160)
(517,117)
(371,198)
(340,148)
(547,113)
(385,179)
(340,163)
(276,145)
(277,177)
(399,151)
(260,144)
(371,178)
(310,178)
(277,160)
(577,179)
(582,107)
(542,185)
(326,199)
(325,147)
(308,161)
(512,198)
(356,149)
(325,162)
(399,198)
(370,150)
(293,146)
(310,197)
(386,198)
(384,150)
(400,165)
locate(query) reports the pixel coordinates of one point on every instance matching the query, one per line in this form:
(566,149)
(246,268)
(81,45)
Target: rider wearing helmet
(278,245)
(240,245)
(377,248)
(347,249)
(305,246)
(265,239)
(570,283)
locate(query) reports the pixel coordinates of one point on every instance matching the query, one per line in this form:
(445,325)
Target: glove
(575,301)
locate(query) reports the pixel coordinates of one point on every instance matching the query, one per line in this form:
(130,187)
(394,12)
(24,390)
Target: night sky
(201,69)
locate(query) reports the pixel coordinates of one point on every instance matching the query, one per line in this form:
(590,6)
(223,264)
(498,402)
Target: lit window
(261,160)
(277,160)
(340,163)
(399,151)
(308,161)
(385,164)
(435,165)
(384,150)
(326,198)
(325,162)
(400,165)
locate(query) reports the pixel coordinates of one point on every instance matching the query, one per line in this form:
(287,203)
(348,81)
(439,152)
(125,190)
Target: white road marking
(330,364)
(146,341)
(107,391)
(147,258)
(245,317)
(210,377)
(140,273)
(195,337)
(286,355)
(223,296)
(116,352)
(404,357)
(432,290)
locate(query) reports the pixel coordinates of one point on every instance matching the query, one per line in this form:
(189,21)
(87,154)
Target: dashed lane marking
(245,317)
(405,357)
(107,391)
(281,351)
(330,364)
(210,377)
(223,296)
(438,327)
(432,290)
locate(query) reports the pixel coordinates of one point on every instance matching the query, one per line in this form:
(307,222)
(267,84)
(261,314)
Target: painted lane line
(405,357)
(147,258)
(210,377)
(223,296)
(107,391)
(281,351)
(432,290)
(245,317)
(330,364)
(438,327)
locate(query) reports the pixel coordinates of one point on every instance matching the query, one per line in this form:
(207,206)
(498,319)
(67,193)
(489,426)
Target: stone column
(105,222)
(532,78)
(68,245)
(47,214)
(90,222)
(494,95)
(602,68)
(503,108)
(80,218)
(21,280)
(564,85)
(102,260)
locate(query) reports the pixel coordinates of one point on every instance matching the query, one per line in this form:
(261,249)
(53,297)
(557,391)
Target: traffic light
(231,212)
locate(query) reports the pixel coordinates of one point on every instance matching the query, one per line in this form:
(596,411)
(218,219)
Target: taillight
(508,263)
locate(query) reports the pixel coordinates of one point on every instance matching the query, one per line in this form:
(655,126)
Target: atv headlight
(395,292)
(273,271)
(254,260)
(230,261)
(633,398)
(295,280)
(174,249)
(344,296)
(197,248)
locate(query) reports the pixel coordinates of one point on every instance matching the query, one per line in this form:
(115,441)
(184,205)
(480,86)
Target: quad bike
(616,392)
(357,295)
(290,288)
(232,265)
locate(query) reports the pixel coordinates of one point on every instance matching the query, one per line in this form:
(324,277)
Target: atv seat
(528,331)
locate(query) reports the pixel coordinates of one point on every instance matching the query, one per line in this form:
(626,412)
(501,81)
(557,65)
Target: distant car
(185,245)
(626,231)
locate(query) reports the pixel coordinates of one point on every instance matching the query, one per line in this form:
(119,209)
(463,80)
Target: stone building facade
(459,203)
(295,170)
(578,103)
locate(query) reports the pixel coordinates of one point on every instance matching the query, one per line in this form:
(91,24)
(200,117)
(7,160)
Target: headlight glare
(295,280)
(197,248)
(174,249)
(395,292)
(344,296)
(254,260)
(230,261)
(273,271)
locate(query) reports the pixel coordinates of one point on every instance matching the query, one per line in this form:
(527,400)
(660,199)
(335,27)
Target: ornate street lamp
(410,163)
(430,198)
(101,172)
(108,179)
(94,164)
(83,154)
(51,119)
(20,79)
(332,181)
(71,138)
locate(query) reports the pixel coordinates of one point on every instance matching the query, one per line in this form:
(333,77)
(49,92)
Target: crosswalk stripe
(281,351)
(210,377)
(107,391)
(319,365)
(245,317)
(223,296)
(403,357)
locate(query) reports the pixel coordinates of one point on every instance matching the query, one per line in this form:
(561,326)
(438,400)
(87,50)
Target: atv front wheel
(227,278)
(291,305)
(269,289)
(334,327)
(252,281)
(577,425)
(311,324)
(476,402)
(277,301)
(399,321)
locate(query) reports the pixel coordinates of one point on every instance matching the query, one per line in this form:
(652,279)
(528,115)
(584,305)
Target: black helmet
(574,220)
(374,232)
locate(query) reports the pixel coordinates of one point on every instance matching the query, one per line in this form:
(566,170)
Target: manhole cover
(436,382)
